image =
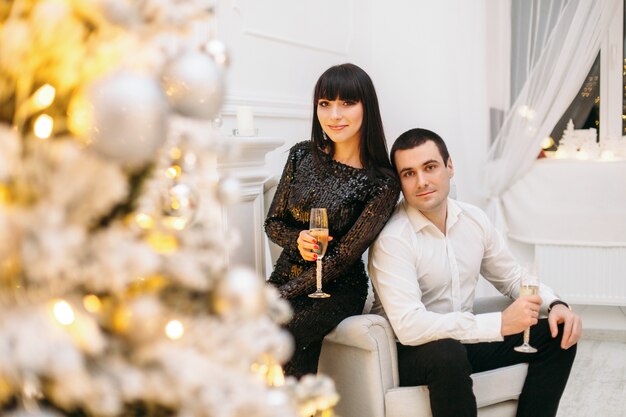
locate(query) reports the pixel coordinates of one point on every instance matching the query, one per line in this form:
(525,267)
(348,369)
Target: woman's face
(341,119)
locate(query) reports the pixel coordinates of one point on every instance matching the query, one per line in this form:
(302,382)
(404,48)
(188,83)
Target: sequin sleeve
(344,252)
(277,227)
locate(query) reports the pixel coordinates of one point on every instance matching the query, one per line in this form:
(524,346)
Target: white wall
(279,48)
(430,72)
(427,60)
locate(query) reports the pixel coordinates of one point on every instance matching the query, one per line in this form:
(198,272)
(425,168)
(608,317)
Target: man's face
(424,176)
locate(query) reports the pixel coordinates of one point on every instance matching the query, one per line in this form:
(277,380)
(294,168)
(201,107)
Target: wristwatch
(556,303)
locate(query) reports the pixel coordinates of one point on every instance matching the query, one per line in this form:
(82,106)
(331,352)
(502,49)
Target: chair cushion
(490,387)
(500,384)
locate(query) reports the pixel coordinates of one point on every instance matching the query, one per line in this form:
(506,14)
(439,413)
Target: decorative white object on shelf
(245,122)
(578,143)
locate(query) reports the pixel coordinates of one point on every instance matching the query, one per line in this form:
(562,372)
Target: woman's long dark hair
(349,82)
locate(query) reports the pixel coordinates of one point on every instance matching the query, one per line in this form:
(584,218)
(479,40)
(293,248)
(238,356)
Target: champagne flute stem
(527,336)
(319,275)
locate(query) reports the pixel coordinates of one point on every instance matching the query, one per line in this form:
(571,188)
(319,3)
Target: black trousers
(445,367)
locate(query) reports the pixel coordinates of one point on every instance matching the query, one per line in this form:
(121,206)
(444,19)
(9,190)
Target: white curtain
(554,78)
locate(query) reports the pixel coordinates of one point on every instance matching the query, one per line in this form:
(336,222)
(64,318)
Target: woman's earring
(324,136)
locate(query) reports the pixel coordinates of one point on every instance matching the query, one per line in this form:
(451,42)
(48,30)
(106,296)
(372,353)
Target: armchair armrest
(361,357)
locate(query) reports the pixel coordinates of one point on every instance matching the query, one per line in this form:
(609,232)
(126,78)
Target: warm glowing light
(121,318)
(5,193)
(162,243)
(79,115)
(43,126)
(174,330)
(561,154)
(176,153)
(175,223)
(63,312)
(92,303)
(582,155)
(269,371)
(547,143)
(275,376)
(141,285)
(44,96)
(526,112)
(144,221)
(607,155)
(173,172)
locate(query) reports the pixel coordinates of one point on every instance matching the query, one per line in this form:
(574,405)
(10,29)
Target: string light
(44,96)
(43,126)
(63,312)
(174,330)
(176,153)
(607,155)
(162,243)
(547,143)
(582,155)
(144,221)
(175,223)
(92,303)
(173,171)
(269,371)
(79,115)
(5,193)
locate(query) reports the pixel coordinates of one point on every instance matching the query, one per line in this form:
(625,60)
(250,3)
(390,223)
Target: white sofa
(360,356)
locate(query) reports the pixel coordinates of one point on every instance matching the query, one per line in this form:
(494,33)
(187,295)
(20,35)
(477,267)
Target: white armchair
(360,355)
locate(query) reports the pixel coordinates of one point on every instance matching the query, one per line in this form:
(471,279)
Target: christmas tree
(116,297)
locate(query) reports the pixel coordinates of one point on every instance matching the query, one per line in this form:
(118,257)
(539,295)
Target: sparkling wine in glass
(529,285)
(318,228)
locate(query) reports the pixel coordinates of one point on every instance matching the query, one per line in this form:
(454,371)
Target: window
(601,100)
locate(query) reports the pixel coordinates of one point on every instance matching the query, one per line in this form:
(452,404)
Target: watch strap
(556,303)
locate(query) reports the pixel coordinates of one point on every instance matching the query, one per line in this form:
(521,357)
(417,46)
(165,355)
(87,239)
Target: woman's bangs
(338,85)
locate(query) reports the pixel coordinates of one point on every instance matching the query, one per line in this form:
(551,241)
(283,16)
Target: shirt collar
(419,221)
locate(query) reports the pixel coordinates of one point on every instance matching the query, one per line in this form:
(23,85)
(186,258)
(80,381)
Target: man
(425,265)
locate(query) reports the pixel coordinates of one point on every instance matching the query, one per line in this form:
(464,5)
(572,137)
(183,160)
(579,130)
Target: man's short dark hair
(416,137)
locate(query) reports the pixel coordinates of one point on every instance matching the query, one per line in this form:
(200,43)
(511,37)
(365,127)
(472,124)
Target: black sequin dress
(357,208)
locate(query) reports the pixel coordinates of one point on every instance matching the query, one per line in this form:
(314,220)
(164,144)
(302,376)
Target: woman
(345,168)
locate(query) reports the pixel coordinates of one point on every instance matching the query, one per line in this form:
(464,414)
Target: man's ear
(450,167)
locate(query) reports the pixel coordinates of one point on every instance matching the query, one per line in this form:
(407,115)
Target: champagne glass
(318,228)
(529,285)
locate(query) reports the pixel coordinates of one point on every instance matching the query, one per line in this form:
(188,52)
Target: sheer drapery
(551,85)
(532,22)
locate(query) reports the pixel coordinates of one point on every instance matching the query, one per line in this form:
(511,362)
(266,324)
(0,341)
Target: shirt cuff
(488,328)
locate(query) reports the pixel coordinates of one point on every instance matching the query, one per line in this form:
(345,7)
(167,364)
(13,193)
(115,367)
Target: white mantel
(247,164)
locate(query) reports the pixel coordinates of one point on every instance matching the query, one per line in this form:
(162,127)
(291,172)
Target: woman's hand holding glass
(307,245)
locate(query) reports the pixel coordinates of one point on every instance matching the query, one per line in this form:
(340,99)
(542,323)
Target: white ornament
(217,50)
(240,293)
(283,349)
(194,85)
(130,115)
(229,190)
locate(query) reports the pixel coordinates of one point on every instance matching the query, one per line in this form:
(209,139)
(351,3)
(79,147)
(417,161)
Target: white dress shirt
(424,281)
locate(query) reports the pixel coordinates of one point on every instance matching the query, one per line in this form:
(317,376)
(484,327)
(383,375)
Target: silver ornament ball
(179,205)
(129,113)
(229,190)
(194,85)
(240,294)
